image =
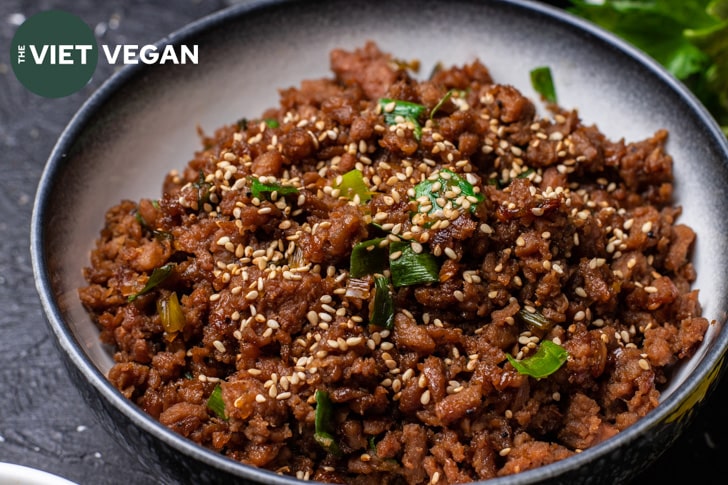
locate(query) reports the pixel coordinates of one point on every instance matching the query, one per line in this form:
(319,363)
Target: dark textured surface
(44,422)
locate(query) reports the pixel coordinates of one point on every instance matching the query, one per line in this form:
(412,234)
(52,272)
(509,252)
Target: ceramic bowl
(141,123)
(12,474)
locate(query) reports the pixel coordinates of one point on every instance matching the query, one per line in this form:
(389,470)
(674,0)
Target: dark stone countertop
(44,423)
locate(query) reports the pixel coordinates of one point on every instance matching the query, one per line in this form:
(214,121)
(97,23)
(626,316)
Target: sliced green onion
(158,275)
(215,402)
(162,235)
(171,314)
(242,123)
(368,257)
(525,174)
(203,189)
(411,268)
(140,220)
(543,83)
(357,288)
(372,442)
(535,319)
(442,101)
(548,359)
(323,423)
(272,123)
(446,181)
(352,185)
(382,312)
(260,190)
(296,259)
(409,111)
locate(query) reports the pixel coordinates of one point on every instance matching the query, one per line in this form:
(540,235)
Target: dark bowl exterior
(60,239)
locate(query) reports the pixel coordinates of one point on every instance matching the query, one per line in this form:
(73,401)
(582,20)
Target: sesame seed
(425,398)
(504,452)
(644,365)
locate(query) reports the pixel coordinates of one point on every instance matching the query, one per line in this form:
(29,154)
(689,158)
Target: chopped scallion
(323,424)
(368,257)
(410,268)
(437,190)
(543,83)
(357,288)
(382,311)
(171,314)
(442,101)
(203,189)
(272,122)
(409,111)
(260,190)
(548,359)
(158,275)
(215,402)
(352,185)
(535,319)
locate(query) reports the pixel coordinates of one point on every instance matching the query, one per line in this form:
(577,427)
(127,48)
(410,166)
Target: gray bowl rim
(67,342)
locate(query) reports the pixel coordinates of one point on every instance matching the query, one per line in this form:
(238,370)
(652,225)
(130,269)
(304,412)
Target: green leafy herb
(171,314)
(548,359)
(368,257)
(215,402)
(411,268)
(440,189)
(353,185)
(158,275)
(242,123)
(272,123)
(382,312)
(323,424)
(261,190)
(689,38)
(409,111)
(543,83)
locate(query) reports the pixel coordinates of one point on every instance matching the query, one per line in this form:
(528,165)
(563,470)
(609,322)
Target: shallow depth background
(44,423)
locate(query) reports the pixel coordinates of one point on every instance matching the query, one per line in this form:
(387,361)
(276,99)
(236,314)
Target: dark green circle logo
(54,54)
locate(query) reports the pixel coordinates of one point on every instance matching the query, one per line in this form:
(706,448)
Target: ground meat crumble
(563,224)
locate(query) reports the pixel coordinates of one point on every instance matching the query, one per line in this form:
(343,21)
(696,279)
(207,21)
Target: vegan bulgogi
(386,280)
